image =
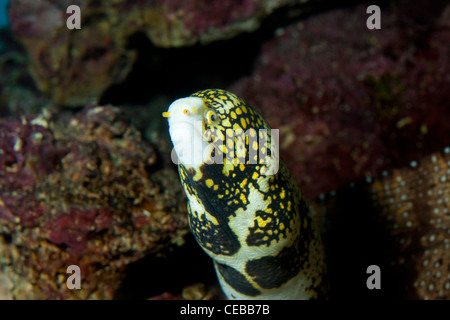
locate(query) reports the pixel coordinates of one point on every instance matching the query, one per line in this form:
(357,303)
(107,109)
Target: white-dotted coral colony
(417,199)
(415,203)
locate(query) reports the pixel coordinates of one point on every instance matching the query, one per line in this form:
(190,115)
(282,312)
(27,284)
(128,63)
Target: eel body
(245,209)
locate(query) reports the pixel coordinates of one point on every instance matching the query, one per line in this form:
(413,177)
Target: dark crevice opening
(356,238)
(173,270)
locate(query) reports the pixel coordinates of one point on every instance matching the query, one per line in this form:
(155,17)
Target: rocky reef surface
(86,191)
(75,68)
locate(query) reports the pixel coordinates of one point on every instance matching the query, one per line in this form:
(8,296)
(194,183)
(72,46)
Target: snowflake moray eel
(250,218)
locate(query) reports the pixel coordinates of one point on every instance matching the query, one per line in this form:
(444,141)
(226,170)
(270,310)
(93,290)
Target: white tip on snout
(185,118)
(185,109)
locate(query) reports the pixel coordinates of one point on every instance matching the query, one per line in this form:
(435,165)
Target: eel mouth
(188,141)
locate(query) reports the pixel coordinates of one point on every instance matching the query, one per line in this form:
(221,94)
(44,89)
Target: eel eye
(211,117)
(186,111)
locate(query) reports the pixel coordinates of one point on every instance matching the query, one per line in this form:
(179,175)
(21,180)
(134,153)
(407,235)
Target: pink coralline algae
(27,153)
(350,102)
(79,191)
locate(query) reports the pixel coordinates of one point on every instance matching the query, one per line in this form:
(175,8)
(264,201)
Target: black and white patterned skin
(245,209)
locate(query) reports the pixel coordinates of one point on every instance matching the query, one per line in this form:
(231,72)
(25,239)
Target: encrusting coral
(84,191)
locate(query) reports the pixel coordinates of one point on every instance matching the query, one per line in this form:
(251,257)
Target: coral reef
(401,222)
(75,66)
(350,105)
(350,102)
(86,190)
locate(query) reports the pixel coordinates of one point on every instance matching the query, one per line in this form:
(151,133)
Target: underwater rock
(75,66)
(399,222)
(83,190)
(351,102)
(72,66)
